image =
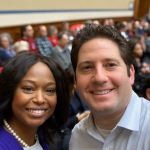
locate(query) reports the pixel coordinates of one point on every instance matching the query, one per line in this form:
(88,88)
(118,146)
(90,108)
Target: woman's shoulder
(7,141)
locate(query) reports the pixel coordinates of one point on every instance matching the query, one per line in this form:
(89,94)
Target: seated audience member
(129,31)
(111,22)
(75,29)
(96,23)
(66,29)
(27,35)
(146,57)
(136,25)
(122,30)
(140,38)
(146,89)
(52,35)
(34,102)
(105,22)
(141,71)
(60,52)
(44,46)
(140,29)
(88,22)
(147,17)
(21,47)
(6,49)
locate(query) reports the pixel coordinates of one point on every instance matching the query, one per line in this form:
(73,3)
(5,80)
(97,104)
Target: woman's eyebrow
(31,81)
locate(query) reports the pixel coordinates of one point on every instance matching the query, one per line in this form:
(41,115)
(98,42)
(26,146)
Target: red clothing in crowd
(32,44)
(53,40)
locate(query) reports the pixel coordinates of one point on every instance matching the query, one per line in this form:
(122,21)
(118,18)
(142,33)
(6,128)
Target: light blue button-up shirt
(131,133)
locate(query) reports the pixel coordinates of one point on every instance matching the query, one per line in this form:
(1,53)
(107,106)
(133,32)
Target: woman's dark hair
(70,75)
(106,32)
(132,42)
(11,76)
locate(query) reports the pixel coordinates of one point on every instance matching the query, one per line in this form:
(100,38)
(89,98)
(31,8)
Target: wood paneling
(141,7)
(15,30)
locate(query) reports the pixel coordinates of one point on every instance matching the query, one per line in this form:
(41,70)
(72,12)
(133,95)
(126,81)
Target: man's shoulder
(82,125)
(145,104)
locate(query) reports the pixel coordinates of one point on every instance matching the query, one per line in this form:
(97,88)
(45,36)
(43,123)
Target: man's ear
(132,73)
(148,94)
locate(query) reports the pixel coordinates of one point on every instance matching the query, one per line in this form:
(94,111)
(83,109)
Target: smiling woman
(34,102)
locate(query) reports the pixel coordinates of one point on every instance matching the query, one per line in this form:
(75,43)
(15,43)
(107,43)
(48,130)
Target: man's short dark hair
(23,28)
(106,32)
(60,34)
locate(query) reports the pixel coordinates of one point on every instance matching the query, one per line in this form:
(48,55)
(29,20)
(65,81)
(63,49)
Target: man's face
(101,77)
(29,31)
(43,31)
(63,42)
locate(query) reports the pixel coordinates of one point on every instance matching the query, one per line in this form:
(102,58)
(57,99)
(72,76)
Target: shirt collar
(131,117)
(60,49)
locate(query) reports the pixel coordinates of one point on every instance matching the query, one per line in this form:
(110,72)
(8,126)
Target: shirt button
(107,149)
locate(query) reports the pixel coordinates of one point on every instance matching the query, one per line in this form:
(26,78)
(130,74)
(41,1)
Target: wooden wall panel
(141,8)
(15,30)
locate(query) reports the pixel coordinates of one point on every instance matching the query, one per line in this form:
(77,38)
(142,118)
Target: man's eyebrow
(84,62)
(31,81)
(111,59)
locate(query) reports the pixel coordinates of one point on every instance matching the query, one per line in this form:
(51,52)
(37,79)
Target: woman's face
(5,42)
(35,98)
(138,51)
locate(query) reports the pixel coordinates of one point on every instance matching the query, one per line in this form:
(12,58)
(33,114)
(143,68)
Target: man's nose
(39,97)
(99,75)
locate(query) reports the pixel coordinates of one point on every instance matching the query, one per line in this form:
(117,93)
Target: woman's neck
(27,134)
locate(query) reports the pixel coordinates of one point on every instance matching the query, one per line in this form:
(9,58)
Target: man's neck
(25,37)
(63,48)
(108,122)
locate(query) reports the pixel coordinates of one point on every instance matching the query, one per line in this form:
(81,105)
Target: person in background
(52,35)
(34,102)
(122,30)
(96,23)
(44,46)
(60,52)
(88,22)
(136,25)
(142,71)
(111,22)
(66,29)
(105,22)
(6,49)
(27,35)
(146,57)
(140,29)
(129,31)
(21,47)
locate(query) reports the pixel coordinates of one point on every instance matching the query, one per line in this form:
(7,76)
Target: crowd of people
(30,67)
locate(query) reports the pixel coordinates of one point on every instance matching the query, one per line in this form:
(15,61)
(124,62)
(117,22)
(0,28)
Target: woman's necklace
(15,135)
